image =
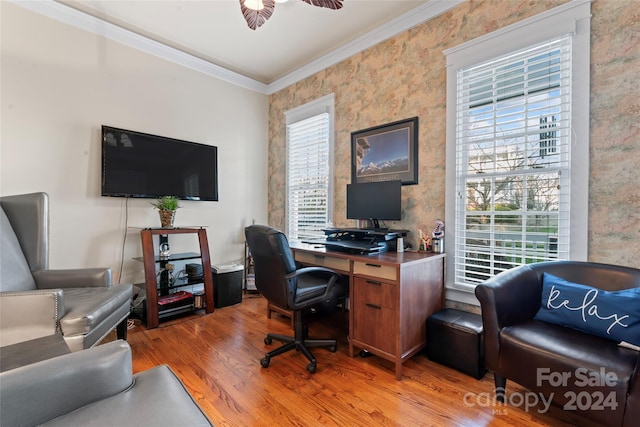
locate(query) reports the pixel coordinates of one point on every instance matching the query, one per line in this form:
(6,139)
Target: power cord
(131,324)
(124,237)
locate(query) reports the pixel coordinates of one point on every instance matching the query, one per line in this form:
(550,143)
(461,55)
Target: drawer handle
(318,256)
(371,282)
(373,306)
(373,265)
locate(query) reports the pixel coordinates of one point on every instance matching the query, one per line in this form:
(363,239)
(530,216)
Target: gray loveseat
(35,301)
(95,387)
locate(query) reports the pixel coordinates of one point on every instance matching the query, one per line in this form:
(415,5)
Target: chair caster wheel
(311,368)
(264,362)
(365,353)
(268,340)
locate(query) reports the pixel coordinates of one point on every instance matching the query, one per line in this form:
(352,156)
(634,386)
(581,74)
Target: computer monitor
(375,201)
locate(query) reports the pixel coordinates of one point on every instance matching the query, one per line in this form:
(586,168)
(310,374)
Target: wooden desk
(391,295)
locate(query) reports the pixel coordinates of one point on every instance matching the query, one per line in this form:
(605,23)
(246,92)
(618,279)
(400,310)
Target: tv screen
(375,200)
(136,164)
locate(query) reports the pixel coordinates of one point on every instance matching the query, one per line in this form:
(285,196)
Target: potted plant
(166,206)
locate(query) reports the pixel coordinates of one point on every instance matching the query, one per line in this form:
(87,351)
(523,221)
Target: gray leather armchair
(35,301)
(95,387)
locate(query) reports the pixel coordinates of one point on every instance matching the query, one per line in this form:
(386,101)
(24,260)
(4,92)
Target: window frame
(570,18)
(325,104)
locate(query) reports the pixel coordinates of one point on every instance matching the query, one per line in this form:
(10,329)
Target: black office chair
(280,282)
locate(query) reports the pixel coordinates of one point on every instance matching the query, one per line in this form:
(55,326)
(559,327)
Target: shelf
(173,257)
(162,314)
(161,229)
(182,283)
(150,260)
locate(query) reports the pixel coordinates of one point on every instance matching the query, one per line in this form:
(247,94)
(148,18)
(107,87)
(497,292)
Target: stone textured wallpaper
(405,77)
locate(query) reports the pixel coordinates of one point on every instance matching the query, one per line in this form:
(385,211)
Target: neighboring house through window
(309,204)
(517,146)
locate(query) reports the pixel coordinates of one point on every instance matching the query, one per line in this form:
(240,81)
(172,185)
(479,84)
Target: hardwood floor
(217,357)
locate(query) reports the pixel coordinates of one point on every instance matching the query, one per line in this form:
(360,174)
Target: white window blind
(308,176)
(513,134)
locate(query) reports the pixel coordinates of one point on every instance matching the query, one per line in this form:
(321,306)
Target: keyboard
(314,241)
(356,246)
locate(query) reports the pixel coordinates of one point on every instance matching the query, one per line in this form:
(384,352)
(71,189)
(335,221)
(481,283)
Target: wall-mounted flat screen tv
(136,164)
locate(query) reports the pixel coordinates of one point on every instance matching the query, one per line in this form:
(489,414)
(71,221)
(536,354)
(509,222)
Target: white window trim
(326,104)
(573,17)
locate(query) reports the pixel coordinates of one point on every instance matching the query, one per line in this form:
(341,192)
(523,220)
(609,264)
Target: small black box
(454,339)
(194,271)
(227,285)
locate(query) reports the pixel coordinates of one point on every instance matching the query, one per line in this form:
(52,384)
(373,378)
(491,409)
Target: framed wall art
(386,153)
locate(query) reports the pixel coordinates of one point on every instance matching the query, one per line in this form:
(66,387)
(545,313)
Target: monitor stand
(373,224)
(363,234)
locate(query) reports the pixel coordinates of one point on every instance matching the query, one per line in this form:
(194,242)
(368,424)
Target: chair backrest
(29,218)
(273,260)
(607,277)
(15,274)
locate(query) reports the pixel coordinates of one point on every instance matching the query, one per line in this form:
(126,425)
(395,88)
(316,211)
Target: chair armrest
(302,296)
(508,298)
(73,278)
(333,276)
(36,393)
(26,315)
(307,270)
(514,295)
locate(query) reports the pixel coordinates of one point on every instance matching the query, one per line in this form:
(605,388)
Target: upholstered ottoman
(454,339)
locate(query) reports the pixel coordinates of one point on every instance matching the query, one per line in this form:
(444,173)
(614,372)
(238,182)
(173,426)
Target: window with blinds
(513,133)
(308,176)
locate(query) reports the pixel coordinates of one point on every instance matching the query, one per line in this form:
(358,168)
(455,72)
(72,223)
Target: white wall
(59,84)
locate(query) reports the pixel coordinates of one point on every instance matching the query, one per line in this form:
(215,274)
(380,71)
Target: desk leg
(350,306)
(398,369)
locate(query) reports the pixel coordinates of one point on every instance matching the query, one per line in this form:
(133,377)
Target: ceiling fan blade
(255,18)
(329,4)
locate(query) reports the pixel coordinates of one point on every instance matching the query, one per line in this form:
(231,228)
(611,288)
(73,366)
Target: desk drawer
(374,269)
(375,293)
(376,328)
(323,261)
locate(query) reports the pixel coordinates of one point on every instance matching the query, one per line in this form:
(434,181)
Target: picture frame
(386,153)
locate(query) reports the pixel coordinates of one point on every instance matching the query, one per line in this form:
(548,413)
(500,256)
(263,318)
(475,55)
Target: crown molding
(76,18)
(392,28)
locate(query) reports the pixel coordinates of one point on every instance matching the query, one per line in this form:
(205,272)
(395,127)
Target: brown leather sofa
(575,368)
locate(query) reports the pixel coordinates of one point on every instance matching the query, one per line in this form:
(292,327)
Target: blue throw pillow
(607,314)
